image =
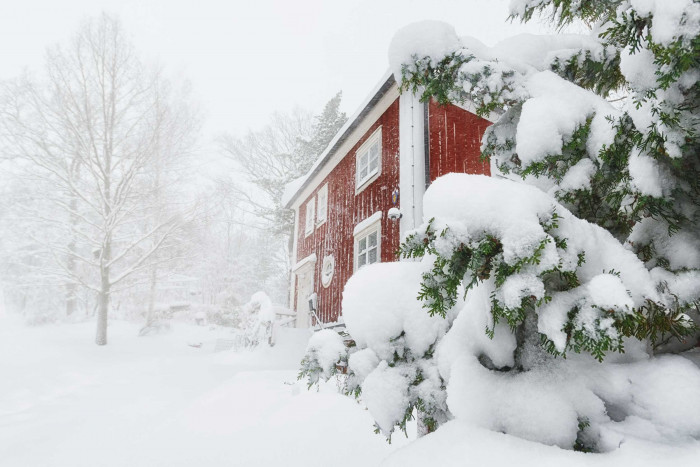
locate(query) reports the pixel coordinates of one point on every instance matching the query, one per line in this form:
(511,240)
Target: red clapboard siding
(455,138)
(455,141)
(346,210)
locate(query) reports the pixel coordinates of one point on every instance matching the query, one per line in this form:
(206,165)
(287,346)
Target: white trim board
(309,259)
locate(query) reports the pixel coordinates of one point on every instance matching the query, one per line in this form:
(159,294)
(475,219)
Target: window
(369,159)
(367,247)
(322,211)
(310,208)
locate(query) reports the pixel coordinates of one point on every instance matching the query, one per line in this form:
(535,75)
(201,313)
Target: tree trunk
(70,299)
(104,295)
(529,352)
(421,427)
(71,287)
(152,297)
(103,309)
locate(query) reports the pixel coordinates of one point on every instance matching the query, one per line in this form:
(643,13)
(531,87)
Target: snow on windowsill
(376,217)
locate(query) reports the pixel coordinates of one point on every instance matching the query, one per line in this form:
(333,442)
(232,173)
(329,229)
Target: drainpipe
(426,142)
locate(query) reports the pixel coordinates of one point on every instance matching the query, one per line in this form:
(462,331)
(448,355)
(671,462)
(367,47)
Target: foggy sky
(248,59)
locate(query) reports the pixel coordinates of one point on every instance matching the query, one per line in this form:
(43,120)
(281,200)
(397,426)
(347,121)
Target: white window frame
(322,202)
(310,217)
(364,151)
(364,235)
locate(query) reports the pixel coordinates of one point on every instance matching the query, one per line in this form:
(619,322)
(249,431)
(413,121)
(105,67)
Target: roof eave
(343,134)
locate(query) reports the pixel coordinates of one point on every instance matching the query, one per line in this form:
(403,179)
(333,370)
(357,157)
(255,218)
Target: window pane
(373,239)
(373,165)
(374,157)
(363,172)
(372,256)
(363,245)
(361,260)
(322,204)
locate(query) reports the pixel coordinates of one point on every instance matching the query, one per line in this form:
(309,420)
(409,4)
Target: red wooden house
(384,157)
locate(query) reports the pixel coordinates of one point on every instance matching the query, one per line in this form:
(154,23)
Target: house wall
(346,210)
(455,138)
(455,141)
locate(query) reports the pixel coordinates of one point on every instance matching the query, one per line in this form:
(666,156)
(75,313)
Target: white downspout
(411,174)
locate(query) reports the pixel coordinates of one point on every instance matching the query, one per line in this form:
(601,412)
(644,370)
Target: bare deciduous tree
(94,130)
(281,152)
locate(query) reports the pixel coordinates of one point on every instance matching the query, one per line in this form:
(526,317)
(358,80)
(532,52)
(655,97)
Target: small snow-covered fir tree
(589,253)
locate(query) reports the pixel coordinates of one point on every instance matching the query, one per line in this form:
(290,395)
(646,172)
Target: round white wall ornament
(327,270)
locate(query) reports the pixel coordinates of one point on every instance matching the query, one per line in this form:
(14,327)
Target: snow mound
(374,317)
(513,212)
(327,347)
(432,39)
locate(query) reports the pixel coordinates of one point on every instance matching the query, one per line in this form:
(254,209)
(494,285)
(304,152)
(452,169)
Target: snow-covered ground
(156,401)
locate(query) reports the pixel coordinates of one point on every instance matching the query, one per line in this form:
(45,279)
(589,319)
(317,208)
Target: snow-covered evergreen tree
(589,253)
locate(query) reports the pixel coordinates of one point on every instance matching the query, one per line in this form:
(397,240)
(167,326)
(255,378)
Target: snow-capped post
(532,284)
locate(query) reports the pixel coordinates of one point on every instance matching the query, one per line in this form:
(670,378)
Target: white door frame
(304,287)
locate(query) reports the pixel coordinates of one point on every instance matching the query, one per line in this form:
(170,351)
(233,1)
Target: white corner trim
(303,262)
(367,223)
(292,279)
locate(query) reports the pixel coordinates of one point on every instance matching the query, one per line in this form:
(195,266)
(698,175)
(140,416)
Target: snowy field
(156,401)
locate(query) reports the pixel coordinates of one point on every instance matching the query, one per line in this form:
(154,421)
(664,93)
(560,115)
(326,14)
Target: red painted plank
(346,210)
(455,141)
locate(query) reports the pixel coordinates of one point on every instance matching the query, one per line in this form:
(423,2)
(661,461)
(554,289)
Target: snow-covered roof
(295,187)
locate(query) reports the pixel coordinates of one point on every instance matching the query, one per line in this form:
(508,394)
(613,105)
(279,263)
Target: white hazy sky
(246,59)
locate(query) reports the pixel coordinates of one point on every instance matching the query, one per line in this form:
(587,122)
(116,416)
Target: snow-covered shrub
(541,283)
(392,366)
(557,289)
(324,350)
(256,318)
(631,168)
(581,287)
(155,328)
(510,282)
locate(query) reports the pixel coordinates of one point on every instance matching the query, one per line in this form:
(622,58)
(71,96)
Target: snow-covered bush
(632,168)
(556,290)
(509,283)
(324,350)
(392,366)
(256,318)
(580,287)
